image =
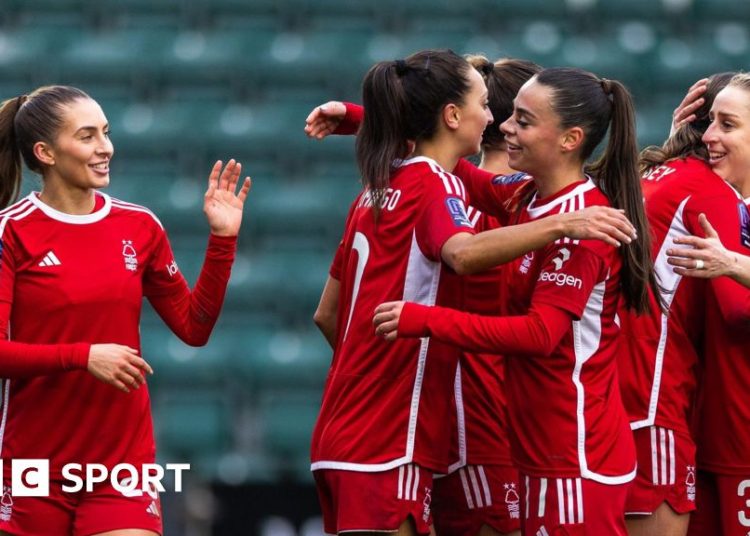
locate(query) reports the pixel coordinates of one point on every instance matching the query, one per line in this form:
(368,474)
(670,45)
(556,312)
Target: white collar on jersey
(416,160)
(578,191)
(77,219)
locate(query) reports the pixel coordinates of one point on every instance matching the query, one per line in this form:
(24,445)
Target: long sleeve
(536,333)
(355,114)
(488,192)
(19,359)
(192,315)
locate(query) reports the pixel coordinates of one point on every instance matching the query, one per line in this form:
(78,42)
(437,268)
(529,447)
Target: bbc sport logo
(30,477)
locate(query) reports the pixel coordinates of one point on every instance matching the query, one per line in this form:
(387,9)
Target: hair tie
(401,67)
(606,85)
(487,68)
(21,100)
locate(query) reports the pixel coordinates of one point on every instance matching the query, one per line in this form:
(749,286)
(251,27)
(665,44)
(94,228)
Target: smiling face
(79,156)
(532,133)
(728,136)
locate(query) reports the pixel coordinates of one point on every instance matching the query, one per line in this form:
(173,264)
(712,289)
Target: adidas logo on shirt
(153,509)
(50,259)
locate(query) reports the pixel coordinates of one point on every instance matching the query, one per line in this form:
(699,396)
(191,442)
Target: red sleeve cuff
(221,247)
(355,114)
(413,321)
(76,356)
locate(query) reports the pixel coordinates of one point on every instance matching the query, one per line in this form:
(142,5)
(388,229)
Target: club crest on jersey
(6,505)
(458,212)
(744,224)
(690,483)
(129,255)
(512,500)
(526,263)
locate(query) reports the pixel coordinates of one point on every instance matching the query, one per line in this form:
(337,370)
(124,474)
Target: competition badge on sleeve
(458,212)
(129,255)
(744,224)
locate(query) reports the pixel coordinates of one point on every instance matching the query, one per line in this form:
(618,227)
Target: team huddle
(542,344)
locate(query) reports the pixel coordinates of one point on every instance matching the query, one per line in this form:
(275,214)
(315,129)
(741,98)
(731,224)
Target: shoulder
(137,212)
(429,176)
(17,212)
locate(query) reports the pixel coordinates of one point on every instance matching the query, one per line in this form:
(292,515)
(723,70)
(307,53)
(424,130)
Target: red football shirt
(481,401)
(661,351)
(565,410)
(69,281)
(387,404)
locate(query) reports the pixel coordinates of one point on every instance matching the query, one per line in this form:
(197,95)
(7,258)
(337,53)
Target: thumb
(707,227)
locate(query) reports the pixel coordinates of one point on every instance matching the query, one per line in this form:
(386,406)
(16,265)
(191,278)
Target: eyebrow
(106,126)
(524,111)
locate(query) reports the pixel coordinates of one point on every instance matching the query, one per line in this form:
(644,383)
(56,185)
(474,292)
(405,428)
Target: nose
(105,147)
(506,127)
(709,135)
(490,117)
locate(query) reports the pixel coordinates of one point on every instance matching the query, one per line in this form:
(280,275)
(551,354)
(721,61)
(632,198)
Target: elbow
(323,319)
(461,261)
(196,341)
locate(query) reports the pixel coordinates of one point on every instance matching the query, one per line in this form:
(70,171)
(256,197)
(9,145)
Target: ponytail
(10,157)
(596,105)
(618,176)
(404,100)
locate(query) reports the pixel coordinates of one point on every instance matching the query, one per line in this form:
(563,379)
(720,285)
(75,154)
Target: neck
(742,186)
(439,152)
(496,161)
(75,201)
(551,182)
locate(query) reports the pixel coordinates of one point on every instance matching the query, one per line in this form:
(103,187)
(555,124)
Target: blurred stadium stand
(186,82)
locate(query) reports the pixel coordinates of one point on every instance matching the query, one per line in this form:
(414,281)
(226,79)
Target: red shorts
(666,472)
(477,495)
(723,506)
(354,501)
(78,514)
(572,507)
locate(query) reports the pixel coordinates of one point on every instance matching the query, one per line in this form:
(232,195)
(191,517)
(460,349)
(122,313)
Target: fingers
(693,100)
(689,240)
(707,227)
(226,175)
(246,186)
(213,177)
(604,237)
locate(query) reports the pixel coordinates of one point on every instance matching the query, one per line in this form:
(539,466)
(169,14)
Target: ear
(451,116)
(572,139)
(44,153)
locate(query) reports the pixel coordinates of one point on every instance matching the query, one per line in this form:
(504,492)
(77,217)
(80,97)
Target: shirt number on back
(362,247)
(741,489)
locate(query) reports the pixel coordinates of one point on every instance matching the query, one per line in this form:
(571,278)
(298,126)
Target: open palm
(222,206)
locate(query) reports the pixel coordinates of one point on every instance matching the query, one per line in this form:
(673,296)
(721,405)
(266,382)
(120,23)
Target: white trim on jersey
(542,497)
(137,208)
(528,505)
(669,281)
(453,184)
(542,531)
(460,421)
(578,191)
(420,286)
(587,336)
(6,397)
(663,459)
(75,219)
(17,212)
(473,214)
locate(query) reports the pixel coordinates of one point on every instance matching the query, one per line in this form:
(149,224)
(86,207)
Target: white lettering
(658,173)
(172,268)
(561,279)
(388,201)
(178,468)
(69,476)
(126,486)
(96,473)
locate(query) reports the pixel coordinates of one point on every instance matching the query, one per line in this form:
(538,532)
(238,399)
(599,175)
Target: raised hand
(387,316)
(324,119)
(685,111)
(118,365)
(598,223)
(222,206)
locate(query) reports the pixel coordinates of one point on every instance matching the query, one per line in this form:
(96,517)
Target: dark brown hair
(404,100)
(596,105)
(686,141)
(24,121)
(504,78)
